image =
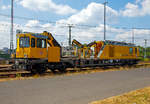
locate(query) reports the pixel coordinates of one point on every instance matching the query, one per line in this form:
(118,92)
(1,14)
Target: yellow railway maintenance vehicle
(110,53)
(38,52)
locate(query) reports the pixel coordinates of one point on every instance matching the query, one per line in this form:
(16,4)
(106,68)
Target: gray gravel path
(75,89)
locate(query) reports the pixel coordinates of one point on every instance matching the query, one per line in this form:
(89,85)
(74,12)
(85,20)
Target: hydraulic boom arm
(51,40)
(76,43)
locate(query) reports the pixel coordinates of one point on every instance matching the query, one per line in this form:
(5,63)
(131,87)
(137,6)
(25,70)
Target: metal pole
(70,35)
(105,20)
(70,27)
(11,31)
(133,35)
(145,48)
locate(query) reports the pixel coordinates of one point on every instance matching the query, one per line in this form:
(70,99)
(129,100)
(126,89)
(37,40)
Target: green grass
(145,59)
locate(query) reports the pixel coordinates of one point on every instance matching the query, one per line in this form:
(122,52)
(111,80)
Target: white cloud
(93,14)
(47,5)
(140,8)
(85,35)
(138,1)
(32,23)
(4,7)
(16,0)
(4,34)
(139,36)
(146,7)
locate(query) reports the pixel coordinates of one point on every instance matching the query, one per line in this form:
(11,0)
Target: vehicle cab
(31,45)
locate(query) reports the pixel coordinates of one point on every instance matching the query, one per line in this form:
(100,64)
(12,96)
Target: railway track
(7,72)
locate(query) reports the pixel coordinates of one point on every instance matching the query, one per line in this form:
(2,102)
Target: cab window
(24,42)
(131,50)
(33,42)
(135,50)
(41,43)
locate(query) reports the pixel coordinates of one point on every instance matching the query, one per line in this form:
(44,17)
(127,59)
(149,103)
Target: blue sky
(139,21)
(120,13)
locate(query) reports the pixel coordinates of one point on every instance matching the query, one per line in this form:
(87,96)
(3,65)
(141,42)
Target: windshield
(24,42)
(41,43)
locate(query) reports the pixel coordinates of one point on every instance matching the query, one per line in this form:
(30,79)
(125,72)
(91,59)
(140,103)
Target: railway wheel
(41,69)
(38,68)
(53,70)
(62,69)
(33,71)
